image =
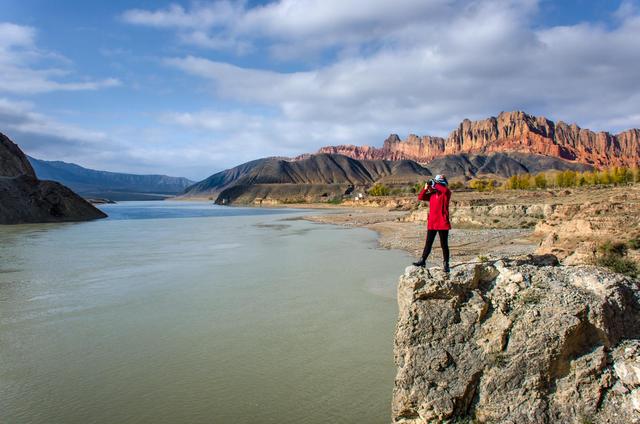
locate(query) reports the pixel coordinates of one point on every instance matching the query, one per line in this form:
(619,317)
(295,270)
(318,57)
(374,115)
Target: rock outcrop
(573,232)
(25,199)
(518,340)
(12,161)
(509,132)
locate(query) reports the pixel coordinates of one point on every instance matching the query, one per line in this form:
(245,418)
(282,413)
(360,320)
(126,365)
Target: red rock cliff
(510,132)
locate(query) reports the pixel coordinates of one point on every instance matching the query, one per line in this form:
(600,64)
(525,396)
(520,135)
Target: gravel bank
(466,244)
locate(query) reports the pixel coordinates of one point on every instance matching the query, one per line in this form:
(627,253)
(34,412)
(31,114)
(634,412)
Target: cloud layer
(290,76)
(421,63)
(417,66)
(26,69)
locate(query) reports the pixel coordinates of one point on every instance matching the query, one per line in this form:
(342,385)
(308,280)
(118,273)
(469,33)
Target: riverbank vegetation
(548,180)
(613,255)
(560,179)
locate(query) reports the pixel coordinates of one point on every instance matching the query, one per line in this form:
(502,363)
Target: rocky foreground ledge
(518,340)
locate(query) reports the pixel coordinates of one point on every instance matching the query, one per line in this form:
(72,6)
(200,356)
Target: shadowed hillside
(326,176)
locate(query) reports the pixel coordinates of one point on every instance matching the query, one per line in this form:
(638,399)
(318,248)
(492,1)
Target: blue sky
(192,87)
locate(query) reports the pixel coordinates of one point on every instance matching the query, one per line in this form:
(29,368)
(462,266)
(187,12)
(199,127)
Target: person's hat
(441,179)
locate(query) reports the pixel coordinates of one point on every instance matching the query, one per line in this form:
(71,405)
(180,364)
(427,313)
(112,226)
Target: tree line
(556,179)
(565,179)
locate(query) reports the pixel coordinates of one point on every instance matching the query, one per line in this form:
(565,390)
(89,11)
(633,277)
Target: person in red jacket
(437,192)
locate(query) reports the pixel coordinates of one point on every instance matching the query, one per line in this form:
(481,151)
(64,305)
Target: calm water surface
(173,312)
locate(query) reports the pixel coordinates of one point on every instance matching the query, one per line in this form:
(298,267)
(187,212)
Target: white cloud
(194,24)
(20,117)
(200,16)
(360,71)
(26,69)
(480,60)
(15,35)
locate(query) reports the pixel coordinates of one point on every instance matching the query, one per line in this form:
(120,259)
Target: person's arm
(426,192)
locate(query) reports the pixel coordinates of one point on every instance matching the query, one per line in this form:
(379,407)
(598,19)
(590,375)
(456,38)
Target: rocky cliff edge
(520,340)
(25,199)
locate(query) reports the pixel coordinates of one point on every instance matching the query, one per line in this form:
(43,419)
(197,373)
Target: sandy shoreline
(466,244)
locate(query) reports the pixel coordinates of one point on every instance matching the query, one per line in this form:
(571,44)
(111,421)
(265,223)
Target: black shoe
(421,263)
(445,267)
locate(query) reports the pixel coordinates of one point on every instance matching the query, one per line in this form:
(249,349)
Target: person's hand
(426,185)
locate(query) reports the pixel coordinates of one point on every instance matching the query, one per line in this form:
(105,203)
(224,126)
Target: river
(177,312)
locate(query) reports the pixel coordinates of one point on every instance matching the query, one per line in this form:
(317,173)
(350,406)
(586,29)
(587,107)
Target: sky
(188,88)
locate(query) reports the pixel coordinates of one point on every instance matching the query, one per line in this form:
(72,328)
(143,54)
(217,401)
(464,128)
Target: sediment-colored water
(175,312)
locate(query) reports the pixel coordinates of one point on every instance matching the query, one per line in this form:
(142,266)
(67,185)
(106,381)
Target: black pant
(444,243)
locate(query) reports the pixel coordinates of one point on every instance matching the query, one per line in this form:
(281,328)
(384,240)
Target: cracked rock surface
(519,340)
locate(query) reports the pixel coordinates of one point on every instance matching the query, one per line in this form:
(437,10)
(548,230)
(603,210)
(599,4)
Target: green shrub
(613,256)
(540,181)
(618,264)
(634,243)
(482,184)
(566,179)
(611,248)
(518,182)
(379,190)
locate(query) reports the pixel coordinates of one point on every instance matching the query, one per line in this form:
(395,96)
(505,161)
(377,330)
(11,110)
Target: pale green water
(215,319)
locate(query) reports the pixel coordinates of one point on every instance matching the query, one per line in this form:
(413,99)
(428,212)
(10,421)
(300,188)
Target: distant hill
(502,165)
(324,176)
(507,133)
(111,185)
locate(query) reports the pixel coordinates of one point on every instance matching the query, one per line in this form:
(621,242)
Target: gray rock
(517,341)
(13,162)
(25,199)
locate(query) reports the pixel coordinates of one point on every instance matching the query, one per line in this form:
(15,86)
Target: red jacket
(438,197)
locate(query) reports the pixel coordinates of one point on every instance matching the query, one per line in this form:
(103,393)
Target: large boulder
(517,341)
(25,199)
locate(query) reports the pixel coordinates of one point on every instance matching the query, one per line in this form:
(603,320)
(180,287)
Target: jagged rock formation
(110,185)
(509,132)
(517,340)
(331,175)
(25,199)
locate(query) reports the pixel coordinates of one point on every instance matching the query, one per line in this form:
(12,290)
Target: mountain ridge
(325,176)
(113,185)
(509,132)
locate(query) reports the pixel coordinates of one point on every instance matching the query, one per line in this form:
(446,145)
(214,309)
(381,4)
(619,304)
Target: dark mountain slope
(323,176)
(499,164)
(322,169)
